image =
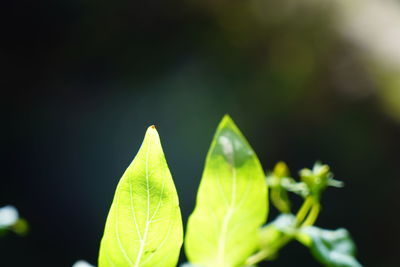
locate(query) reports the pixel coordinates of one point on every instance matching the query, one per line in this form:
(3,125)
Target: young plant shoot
(227,227)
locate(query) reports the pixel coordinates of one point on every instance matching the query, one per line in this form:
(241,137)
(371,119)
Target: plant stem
(313,215)
(304,209)
(306,216)
(265,254)
(256,258)
(278,202)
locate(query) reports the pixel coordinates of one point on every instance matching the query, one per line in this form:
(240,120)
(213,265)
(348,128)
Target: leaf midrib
(228,215)
(146,230)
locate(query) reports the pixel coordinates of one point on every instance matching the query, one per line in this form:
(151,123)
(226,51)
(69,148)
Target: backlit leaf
(231,202)
(144,225)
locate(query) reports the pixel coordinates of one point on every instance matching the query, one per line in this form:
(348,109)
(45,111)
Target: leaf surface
(231,202)
(331,248)
(144,225)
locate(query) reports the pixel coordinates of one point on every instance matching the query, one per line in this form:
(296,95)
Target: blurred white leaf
(8,216)
(82,263)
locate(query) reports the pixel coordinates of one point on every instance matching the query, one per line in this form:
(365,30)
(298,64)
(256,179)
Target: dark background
(82,80)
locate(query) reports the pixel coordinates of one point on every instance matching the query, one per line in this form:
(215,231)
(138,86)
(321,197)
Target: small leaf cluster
(228,225)
(332,248)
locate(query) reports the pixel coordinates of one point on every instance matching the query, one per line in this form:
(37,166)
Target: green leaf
(144,225)
(231,202)
(331,248)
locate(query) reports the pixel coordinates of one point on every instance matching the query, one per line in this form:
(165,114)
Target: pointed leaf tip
(227,122)
(232,191)
(226,119)
(144,225)
(152,128)
(152,132)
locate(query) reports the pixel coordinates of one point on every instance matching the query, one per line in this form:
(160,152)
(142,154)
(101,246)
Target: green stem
(313,215)
(256,258)
(306,216)
(278,202)
(265,254)
(304,209)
